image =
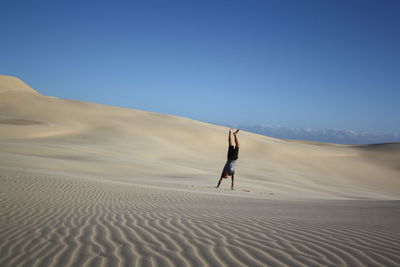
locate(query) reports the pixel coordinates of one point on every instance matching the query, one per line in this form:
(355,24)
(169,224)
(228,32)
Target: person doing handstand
(233,153)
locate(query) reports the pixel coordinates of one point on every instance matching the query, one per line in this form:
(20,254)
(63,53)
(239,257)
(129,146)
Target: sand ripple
(49,220)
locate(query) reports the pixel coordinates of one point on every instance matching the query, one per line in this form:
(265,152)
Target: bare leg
(236,139)
(219,182)
(233,181)
(230,137)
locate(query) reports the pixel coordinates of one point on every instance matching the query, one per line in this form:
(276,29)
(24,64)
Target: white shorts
(229,167)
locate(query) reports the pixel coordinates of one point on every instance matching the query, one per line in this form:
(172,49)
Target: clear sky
(316,64)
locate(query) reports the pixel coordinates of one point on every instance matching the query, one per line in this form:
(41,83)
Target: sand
(83,184)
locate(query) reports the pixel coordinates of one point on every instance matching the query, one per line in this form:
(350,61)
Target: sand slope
(49,133)
(83,184)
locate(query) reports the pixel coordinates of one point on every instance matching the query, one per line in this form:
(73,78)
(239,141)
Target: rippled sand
(59,220)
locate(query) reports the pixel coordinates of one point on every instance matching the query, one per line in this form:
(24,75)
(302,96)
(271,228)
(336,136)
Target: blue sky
(322,64)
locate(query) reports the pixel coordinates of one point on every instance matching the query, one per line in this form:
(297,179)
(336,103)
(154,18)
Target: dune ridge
(84,184)
(9,83)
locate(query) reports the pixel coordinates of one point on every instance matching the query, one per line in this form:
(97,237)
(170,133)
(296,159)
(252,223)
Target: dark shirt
(233,153)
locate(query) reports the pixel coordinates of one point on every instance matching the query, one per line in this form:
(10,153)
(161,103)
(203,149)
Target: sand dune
(49,133)
(89,184)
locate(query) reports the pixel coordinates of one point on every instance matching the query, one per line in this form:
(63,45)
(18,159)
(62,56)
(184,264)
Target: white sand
(88,184)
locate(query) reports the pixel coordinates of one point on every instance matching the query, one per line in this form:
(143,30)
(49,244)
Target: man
(233,152)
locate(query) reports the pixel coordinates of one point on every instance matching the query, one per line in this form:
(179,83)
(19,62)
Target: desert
(85,184)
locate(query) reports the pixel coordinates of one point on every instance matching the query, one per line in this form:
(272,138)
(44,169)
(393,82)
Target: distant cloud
(325,136)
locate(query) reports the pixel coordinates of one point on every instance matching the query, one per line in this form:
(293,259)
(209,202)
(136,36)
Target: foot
(236,131)
(232,188)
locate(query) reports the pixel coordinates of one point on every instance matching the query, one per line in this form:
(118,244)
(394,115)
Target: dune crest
(9,83)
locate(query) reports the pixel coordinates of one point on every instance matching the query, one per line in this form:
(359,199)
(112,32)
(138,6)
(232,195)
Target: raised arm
(230,138)
(236,139)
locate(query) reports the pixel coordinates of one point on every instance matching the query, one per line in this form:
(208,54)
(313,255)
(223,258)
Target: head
(224,175)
